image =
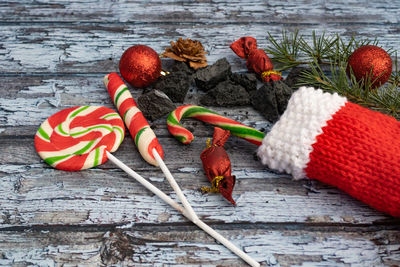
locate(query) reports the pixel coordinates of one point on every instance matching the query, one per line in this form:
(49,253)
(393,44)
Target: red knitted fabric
(358,152)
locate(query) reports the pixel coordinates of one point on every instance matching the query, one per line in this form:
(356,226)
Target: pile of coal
(222,88)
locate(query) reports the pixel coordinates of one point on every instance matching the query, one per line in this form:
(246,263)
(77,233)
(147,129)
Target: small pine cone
(187,50)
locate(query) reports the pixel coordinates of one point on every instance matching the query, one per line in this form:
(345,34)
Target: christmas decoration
(217,166)
(82,137)
(187,50)
(78,138)
(370,63)
(209,116)
(257,60)
(326,60)
(323,136)
(138,127)
(140,66)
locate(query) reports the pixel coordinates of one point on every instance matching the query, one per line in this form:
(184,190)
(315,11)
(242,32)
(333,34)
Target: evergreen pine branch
(326,57)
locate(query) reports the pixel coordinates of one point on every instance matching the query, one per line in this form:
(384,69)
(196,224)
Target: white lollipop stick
(145,183)
(188,214)
(175,186)
(196,219)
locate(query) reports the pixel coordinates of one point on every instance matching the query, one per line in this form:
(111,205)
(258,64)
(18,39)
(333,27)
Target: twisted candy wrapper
(257,60)
(217,166)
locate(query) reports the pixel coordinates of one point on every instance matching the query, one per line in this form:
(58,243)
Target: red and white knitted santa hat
(323,136)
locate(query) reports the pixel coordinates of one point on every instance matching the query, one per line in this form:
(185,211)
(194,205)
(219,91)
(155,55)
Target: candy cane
(77,138)
(144,137)
(206,115)
(139,128)
(83,137)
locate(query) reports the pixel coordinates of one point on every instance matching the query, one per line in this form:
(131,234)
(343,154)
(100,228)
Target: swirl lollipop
(77,138)
(82,137)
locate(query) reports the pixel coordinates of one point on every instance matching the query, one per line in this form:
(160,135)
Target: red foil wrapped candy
(257,60)
(217,166)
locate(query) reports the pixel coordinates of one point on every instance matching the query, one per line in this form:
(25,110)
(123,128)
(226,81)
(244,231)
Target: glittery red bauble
(371,59)
(140,66)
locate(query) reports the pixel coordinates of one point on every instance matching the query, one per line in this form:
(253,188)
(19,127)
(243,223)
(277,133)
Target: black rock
(175,85)
(208,77)
(294,77)
(155,104)
(271,99)
(264,101)
(247,80)
(180,66)
(282,94)
(226,94)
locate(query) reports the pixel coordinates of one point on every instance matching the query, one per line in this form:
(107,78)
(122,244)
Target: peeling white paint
(12,169)
(156,179)
(257,174)
(103,190)
(189,170)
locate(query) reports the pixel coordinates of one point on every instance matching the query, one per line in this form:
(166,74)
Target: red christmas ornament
(370,59)
(217,166)
(257,60)
(140,66)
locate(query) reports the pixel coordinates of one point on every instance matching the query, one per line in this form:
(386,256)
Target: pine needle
(326,57)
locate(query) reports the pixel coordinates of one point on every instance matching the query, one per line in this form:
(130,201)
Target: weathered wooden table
(53,55)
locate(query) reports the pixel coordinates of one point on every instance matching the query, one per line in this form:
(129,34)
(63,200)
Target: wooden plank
(223,11)
(37,195)
(81,48)
(175,246)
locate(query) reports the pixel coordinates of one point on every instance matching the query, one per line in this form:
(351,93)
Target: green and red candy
(138,127)
(209,116)
(77,138)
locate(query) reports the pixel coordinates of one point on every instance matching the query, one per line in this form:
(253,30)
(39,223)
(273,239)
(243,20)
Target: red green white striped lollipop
(78,138)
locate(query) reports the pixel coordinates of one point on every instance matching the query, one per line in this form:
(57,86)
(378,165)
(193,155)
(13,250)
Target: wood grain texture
(54,54)
(160,246)
(87,48)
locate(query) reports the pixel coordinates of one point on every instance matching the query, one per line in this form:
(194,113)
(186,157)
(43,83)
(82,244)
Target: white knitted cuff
(288,145)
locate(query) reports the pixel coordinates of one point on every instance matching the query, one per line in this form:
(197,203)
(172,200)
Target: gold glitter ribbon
(267,73)
(214,185)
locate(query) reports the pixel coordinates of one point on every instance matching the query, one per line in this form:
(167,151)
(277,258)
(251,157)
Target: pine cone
(188,51)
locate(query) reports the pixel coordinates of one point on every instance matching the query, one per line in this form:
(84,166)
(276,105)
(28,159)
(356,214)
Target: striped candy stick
(206,115)
(78,138)
(139,128)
